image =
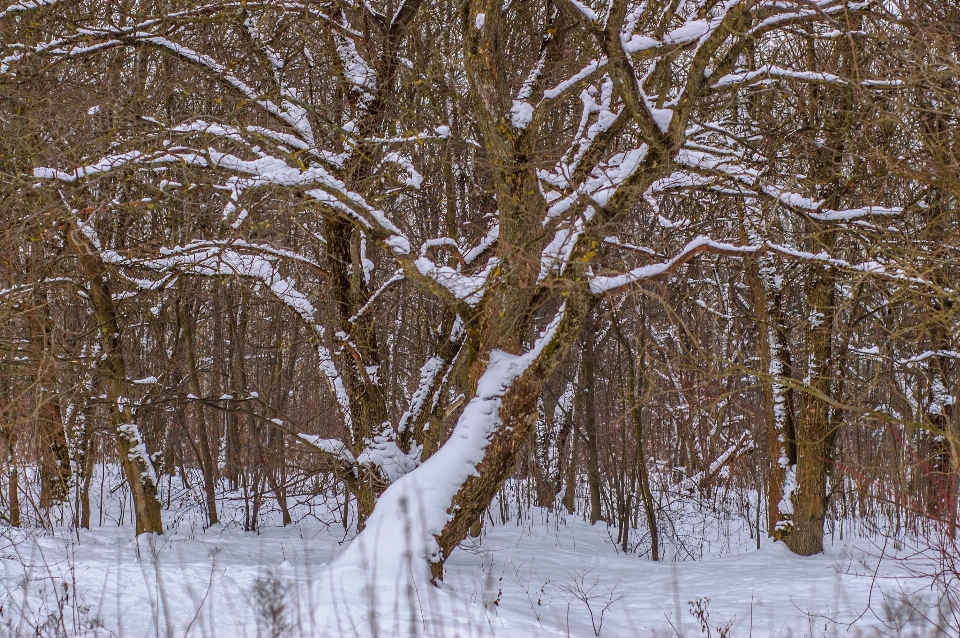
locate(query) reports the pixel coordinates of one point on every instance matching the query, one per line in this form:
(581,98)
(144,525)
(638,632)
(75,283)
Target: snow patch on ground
(534,572)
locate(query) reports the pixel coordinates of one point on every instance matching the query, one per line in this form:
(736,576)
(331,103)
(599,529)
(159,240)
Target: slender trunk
(14,493)
(237,383)
(546,490)
(588,411)
(207,465)
(570,488)
(9,438)
(88,465)
(775,367)
(636,411)
(134,458)
(52,449)
(562,456)
(280,493)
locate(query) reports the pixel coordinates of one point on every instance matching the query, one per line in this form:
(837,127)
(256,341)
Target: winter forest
(479,318)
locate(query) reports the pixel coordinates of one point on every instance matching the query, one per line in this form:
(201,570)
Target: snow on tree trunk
(134,458)
(402,534)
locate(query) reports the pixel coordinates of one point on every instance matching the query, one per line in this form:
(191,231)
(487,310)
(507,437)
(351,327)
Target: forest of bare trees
(610,250)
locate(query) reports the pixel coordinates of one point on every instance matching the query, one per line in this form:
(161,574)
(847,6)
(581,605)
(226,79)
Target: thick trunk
(517,416)
(815,431)
(359,358)
(815,434)
(134,458)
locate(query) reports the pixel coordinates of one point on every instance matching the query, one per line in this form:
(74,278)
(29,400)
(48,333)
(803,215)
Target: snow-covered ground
(540,574)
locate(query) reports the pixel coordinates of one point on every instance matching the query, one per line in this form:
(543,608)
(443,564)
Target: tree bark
(636,412)
(815,436)
(134,458)
(775,368)
(52,449)
(518,413)
(207,464)
(815,431)
(588,410)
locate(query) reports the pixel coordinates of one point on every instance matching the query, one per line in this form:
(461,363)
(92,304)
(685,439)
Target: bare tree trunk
(546,486)
(207,464)
(588,410)
(518,406)
(236,421)
(88,465)
(636,411)
(360,358)
(52,450)
(570,488)
(134,458)
(775,367)
(814,433)
(8,436)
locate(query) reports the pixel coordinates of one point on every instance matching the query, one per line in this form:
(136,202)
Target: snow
(467,288)
(383,452)
(587,12)
(771,71)
(855,213)
(520,114)
(414,178)
(105,165)
(334,447)
(356,69)
(689,32)
(527,576)
(638,43)
(138,451)
(428,373)
(26,5)
(603,284)
(585,72)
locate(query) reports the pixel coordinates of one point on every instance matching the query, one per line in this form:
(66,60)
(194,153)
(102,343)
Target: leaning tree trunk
(517,413)
(136,462)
